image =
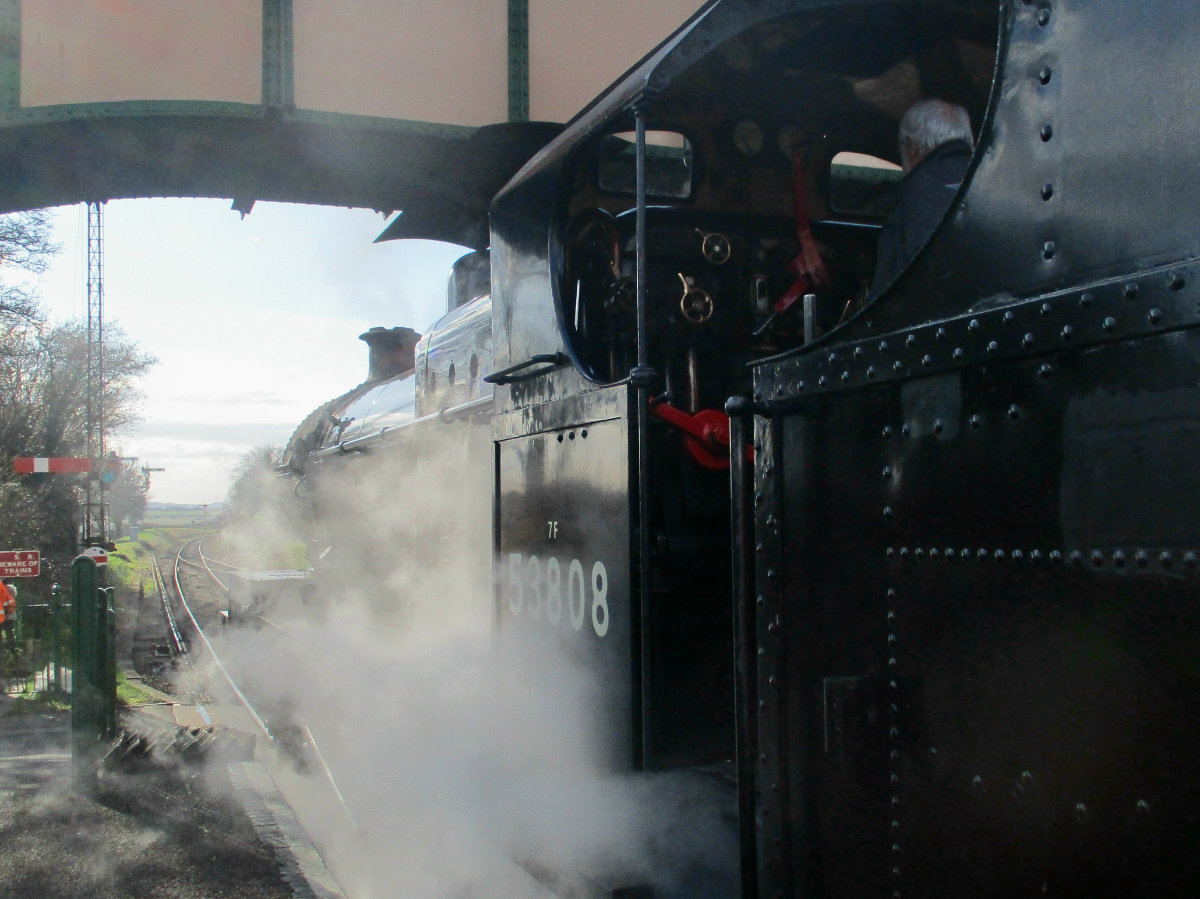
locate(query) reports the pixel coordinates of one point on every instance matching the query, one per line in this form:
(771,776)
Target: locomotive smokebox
(392,352)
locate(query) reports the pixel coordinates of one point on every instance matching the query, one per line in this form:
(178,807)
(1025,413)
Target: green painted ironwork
(56,638)
(278,66)
(10,53)
(93,681)
(518,60)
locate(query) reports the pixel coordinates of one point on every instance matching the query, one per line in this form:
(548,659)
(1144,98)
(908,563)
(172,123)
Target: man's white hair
(930,123)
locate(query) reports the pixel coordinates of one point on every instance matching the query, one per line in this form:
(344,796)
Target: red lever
(705,434)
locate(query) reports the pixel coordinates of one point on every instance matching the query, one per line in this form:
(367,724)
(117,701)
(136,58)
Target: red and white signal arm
(20,563)
(96,553)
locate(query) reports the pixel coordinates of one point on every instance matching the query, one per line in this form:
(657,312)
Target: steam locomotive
(930,574)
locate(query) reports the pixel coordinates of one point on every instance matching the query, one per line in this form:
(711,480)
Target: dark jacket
(925,195)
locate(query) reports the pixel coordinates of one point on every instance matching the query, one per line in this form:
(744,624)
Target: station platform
(153,826)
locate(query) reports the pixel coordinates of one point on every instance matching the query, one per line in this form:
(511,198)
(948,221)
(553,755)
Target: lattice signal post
(94,524)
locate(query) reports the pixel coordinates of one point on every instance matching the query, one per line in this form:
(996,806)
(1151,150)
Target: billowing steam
(465,771)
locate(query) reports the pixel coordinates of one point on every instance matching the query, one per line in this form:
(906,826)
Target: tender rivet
(910,339)
(887,513)
(1035,555)
(1018,555)
(1047,191)
(965,554)
(949,552)
(1176,281)
(1081,812)
(977,784)
(958,352)
(1056,555)
(992,346)
(973,325)
(1076,557)
(1014,412)
(1142,558)
(758,547)
(870,371)
(821,381)
(1048,250)
(926,360)
(919,552)
(1097,558)
(887,431)
(1067,332)
(940,333)
(1130,291)
(975,421)
(906,429)
(1085,300)
(999,554)
(1027,340)
(883,346)
(1008,317)
(1166,559)
(981,553)
(904,552)
(1045,309)
(832,358)
(1143,807)
(1154,316)
(1043,17)
(1109,323)
(938,426)
(896,366)
(845,376)
(1044,75)
(887,472)
(1190,559)
(1046,132)
(1045,370)
(1119,558)
(858,352)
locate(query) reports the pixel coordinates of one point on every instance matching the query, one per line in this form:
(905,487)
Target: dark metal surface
(986,548)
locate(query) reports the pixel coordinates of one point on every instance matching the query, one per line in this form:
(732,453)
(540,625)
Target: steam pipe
(365,442)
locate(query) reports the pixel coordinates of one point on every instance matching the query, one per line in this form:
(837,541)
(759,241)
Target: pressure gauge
(747,138)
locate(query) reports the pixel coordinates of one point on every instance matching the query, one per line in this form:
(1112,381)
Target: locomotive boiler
(923,561)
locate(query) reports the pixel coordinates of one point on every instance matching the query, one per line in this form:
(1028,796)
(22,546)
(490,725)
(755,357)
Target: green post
(110,660)
(56,636)
(90,627)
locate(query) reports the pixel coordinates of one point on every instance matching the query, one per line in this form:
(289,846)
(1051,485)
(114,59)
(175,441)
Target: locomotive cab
(768,148)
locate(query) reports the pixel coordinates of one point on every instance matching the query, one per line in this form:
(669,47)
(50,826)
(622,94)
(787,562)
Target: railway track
(298,740)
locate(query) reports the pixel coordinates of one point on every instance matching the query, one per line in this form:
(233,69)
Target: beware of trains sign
(20,563)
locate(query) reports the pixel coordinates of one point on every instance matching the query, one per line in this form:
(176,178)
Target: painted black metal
(741,412)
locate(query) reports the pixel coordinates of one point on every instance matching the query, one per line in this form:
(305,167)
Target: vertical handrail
(642,379)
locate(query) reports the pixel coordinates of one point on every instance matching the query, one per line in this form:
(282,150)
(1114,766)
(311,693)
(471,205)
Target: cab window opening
(793,162)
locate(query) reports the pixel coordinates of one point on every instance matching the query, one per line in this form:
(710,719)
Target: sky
(254,321)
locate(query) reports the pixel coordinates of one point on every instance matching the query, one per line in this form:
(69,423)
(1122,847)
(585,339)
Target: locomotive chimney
(392,352)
